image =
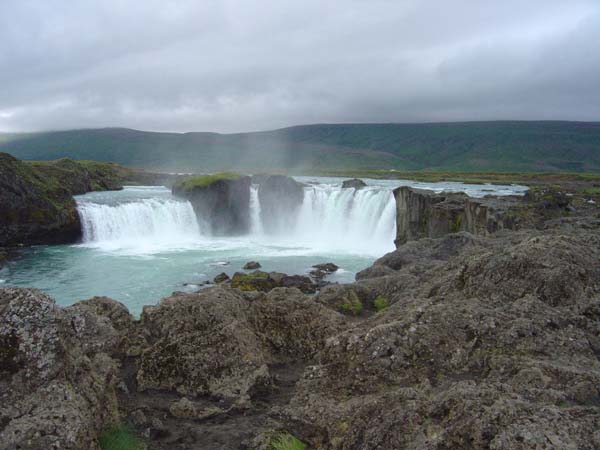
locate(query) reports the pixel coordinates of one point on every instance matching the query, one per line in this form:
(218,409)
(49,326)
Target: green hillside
(465,146)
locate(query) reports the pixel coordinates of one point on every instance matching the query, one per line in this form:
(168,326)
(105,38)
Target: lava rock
(226,339)
(33,210)
(492,345)
(280,200)
(301,282)
(355,183)
(326,267)
(221,200)
(321,271)
(252,265)
(221,278)
(253,281)
(55,363)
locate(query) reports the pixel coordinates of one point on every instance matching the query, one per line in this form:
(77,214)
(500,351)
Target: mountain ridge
(538,146)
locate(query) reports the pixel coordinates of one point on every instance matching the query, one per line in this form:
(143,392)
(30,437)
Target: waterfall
(255,222)
(350,220)
(329,219)
(140,223)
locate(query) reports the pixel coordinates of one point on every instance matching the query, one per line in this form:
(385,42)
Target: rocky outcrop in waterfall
(355,183)
(221,201)
(422,213)
(280,198)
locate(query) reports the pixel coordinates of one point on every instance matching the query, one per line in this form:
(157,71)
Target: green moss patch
(120,438)
(254,281)
(352,304)
(202,181)
(381,303)
(286,441)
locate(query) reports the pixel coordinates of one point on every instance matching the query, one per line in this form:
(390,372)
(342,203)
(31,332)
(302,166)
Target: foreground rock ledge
(460,342)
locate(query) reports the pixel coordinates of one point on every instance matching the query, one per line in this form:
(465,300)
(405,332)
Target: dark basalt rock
(221,278)
(280,200)
(33,209)
(355,183)
(252,265)
(36,198)
(223,204)
(422,213)
(321,271)
(326,267)
(301,282)
(264,282)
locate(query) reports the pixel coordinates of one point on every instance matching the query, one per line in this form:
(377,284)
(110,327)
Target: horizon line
(270,130)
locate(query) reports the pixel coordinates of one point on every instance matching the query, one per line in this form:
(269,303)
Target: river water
(140,244)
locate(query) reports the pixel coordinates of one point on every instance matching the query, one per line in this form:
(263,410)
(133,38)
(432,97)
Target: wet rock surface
(321,271)
(266,281)
(463,341)
(280,200)
(355,183)
(223,204)
(221,278)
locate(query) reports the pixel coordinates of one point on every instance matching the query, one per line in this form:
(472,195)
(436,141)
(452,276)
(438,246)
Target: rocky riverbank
(462,341)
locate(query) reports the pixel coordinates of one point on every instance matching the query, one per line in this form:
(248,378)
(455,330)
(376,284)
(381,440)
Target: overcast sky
(242,65)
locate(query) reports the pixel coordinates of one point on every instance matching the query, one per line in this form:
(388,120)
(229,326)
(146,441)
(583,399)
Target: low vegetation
(466,177)
(200,181)
(381,303)
(120,438)
(352,304)
(286,441)
(253,281)
(496,146)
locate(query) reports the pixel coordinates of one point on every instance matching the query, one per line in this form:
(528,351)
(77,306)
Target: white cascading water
(349,220)
(329,219)
(255,222)
(146,222)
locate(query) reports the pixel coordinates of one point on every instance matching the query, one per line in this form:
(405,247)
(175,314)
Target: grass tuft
(285,441)
(381,303)
(352,304)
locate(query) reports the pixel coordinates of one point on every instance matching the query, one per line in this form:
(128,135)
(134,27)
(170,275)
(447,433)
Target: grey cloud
(247,65)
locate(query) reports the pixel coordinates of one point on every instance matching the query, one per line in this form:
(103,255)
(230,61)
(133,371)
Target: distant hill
(465,146)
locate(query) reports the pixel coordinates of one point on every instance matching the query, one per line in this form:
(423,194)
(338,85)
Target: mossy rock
(120,438)
(254,281)
(36,197)
(381,303)
(351,304)
(202,181)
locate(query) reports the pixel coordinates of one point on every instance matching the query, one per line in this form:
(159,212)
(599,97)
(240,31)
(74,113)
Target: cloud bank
(241,65)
